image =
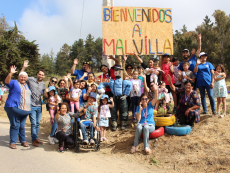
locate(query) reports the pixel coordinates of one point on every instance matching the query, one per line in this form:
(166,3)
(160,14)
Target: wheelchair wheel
(98,142)
(76,149)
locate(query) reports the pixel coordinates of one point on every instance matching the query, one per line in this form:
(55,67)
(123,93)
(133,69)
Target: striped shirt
(36,91)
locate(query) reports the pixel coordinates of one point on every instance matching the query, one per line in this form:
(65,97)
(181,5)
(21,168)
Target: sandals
(133,149)
(222,116)
(147,150)
(105,139)
(13,146)
(24,144)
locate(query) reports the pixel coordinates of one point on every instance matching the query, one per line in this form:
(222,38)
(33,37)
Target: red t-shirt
(165,68)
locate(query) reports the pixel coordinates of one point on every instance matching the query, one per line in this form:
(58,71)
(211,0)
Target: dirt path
(46,158)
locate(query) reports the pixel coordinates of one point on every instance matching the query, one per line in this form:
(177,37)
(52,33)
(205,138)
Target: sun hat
(51,88)
(93,95)
(203,53)
(105,96)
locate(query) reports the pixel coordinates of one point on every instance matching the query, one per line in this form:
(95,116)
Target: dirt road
(46,158)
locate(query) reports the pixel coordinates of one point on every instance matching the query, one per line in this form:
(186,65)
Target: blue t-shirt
(14,96)
(79,74)
(204,75)
(192,64)
(150,119)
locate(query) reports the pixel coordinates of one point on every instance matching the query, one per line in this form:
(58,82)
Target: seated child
(162,95)
(90,112)
(186,74)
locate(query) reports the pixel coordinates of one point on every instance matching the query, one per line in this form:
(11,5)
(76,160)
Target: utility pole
(105,59)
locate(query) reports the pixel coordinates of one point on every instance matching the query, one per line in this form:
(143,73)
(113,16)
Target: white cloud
(55,22)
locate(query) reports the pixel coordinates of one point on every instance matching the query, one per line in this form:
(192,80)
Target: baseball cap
(186,50)
(203,53)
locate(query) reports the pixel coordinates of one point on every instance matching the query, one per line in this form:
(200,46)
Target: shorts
(169,89)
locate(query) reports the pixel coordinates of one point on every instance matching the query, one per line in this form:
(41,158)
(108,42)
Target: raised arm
(25,65)
(155,88)
(145,85)
(199,45)
(75,62)
(138,58)
(114,59)
(12,71)
(112,105)
(173,88)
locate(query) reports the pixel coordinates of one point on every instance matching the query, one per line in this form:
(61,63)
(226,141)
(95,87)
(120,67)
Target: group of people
(98,99)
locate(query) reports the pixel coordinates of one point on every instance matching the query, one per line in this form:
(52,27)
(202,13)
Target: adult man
(37,87)
(80,73)
(192,60)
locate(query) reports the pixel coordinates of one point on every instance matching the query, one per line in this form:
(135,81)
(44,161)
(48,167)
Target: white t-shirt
(136,87)
(75,92)
(104,112)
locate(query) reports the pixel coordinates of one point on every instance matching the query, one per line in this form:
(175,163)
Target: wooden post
(120,63)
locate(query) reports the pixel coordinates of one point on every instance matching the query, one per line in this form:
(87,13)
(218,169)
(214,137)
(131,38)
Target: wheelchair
(78,137)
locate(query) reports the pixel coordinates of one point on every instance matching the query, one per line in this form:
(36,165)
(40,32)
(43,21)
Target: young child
(75,93)
(153,76)
(220,90)
(186,74)
(104,114)
(53,103)
(141,76)
(135,92)
(90,112)
(176,64)
(162,95)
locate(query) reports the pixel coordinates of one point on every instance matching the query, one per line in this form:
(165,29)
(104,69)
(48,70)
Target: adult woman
(17,106)
(151,65)
(63,86)
(149,90)
(127,74)
(64,131)
(188,107)
(146,124)
(205,80)
(91,79)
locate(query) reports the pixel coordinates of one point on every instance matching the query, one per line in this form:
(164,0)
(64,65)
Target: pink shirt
(165,68)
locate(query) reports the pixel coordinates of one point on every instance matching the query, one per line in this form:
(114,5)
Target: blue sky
(55,22)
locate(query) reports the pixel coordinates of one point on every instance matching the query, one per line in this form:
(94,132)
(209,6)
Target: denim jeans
(17,120)
(84,131)
(135,101)
(54,128)
(35,118)
(203,97)
(146,130)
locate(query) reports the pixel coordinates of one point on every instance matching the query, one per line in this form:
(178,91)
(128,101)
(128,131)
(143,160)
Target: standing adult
(205,80)
(151,65)
(80,73)
(107,74)
(17,106)
(37,87)
(192,60)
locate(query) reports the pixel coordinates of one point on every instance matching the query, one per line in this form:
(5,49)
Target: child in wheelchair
(88,114)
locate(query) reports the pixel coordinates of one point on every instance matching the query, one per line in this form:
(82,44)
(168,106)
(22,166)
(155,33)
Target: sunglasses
(144,99)
(151,85)
(53,81)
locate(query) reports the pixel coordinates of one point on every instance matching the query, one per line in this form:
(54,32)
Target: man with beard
(192,60)
(37,87)
(80,73)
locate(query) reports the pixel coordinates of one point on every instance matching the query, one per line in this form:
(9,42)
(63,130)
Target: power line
(82,17)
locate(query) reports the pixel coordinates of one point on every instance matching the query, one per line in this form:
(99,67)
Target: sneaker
(56,140)
(92,142)
(51,140)
(114,128)
(204,112)
(123,127)
(214,113)
(85,142)
(61,150)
